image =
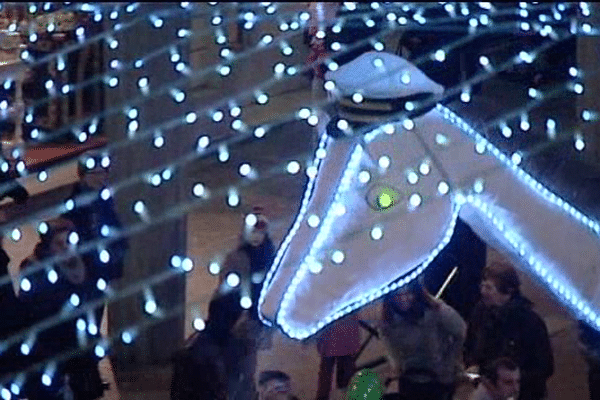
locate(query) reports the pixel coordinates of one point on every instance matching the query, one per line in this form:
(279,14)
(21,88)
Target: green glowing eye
(385,200)
(382,198)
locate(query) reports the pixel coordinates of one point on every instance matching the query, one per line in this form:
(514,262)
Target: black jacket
(89,220)
(516,331)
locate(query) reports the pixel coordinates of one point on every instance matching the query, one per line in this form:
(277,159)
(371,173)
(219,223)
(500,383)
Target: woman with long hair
(424,337)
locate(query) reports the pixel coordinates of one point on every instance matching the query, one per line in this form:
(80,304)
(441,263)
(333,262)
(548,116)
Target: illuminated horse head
(382,205)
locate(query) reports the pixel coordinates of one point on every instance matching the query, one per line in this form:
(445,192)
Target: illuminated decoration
(417,187)
(510,210)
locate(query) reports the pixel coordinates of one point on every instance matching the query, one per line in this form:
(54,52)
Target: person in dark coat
(503,324)
(201,369)
(12,320)
(61,286)
(90,219)
(249,261)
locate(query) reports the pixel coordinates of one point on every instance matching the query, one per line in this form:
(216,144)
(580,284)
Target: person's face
(60,243)
(404,300)
(254,237)
(96,179)
(73,269)
(508,384)
(490,294)
(276,390)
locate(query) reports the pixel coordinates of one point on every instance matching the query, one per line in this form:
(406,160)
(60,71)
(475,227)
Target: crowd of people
(55,279)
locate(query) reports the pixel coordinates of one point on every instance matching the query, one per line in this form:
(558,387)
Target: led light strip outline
(569,295)
(283,248)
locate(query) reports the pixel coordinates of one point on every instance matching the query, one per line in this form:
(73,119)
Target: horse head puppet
(392,173)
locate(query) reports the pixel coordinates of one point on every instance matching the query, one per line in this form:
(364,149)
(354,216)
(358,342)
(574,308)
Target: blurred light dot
(412,177)
(25,285)
(337,257)
(16,235)
(313,221)
(376,233)
(364,177)
(214,268)
(415,200)
(233,279)
(126,337)
(443,188)
(150,307)
(75,300)
(245,302)
(199,324)
(293,167)
(245,169)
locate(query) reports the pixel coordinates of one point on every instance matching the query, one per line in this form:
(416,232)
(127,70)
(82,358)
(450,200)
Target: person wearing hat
(56,285)
(249,262)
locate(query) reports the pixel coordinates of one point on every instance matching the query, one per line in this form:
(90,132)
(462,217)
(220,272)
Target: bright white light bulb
(337,257)
(408,124)
(384,162)
(506,131)
(478,186)
(105,194)
(159,141)
(525,125)
(101,284)
(223,154)
(150,307)
(214,268)
(233,279)
(73,238)
(364,177)
(293,167)
(167,174)
(357,98)
(191,117)
(424,168)
(443,188)
(126,337)
(199,324)
(329,85)
(74,300)
(233,199)
(25,349)
(16,234)
(139,207)
(440,55)
(224,70)
(262,99)
(578,88)
(245,169)
(104,256)
(99,351)
(217,116)
(579,143)
(313,221)
(412,177)
(245,302)
(199,190)
(376,233)
(484,61)
(25,285)
(415,200)
(52,276)
(516,158)
(46,380)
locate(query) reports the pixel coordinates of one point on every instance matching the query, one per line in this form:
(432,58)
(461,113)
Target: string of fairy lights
(203,149)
